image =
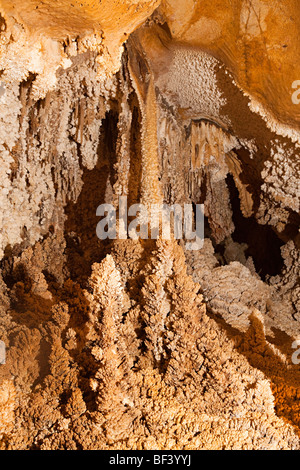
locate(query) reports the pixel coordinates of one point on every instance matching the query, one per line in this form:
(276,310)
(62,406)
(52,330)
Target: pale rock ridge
(129,344)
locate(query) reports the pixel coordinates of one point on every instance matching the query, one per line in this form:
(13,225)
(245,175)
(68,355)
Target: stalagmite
(139,342)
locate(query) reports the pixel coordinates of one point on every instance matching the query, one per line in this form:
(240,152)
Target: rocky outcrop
(143,344)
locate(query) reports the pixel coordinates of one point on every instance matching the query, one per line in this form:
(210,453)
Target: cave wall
(141,344)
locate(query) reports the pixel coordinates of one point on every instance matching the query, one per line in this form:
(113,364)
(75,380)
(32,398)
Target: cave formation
(142,344)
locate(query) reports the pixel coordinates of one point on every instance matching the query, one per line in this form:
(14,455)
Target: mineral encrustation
(144,344)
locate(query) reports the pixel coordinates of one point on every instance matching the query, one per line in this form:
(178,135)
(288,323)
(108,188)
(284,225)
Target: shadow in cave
(26,307)
(264,246)
(135,172)
(83,246)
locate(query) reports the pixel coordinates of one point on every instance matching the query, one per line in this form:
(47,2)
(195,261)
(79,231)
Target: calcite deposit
(143,344)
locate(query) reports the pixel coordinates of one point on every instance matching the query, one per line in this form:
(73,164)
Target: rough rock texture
(142,344)
(37,39)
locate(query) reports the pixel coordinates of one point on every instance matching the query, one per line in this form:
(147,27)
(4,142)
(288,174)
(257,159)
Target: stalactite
(150,186)
(136,344)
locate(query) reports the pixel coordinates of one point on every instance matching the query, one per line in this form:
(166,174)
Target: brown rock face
(143,343)
(256,39)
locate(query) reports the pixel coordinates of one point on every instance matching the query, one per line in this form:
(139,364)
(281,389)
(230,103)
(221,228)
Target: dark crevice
(83,246)
(135,172)
(264,246)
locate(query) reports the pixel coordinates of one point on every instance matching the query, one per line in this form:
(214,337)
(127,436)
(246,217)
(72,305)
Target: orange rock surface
(143,344)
